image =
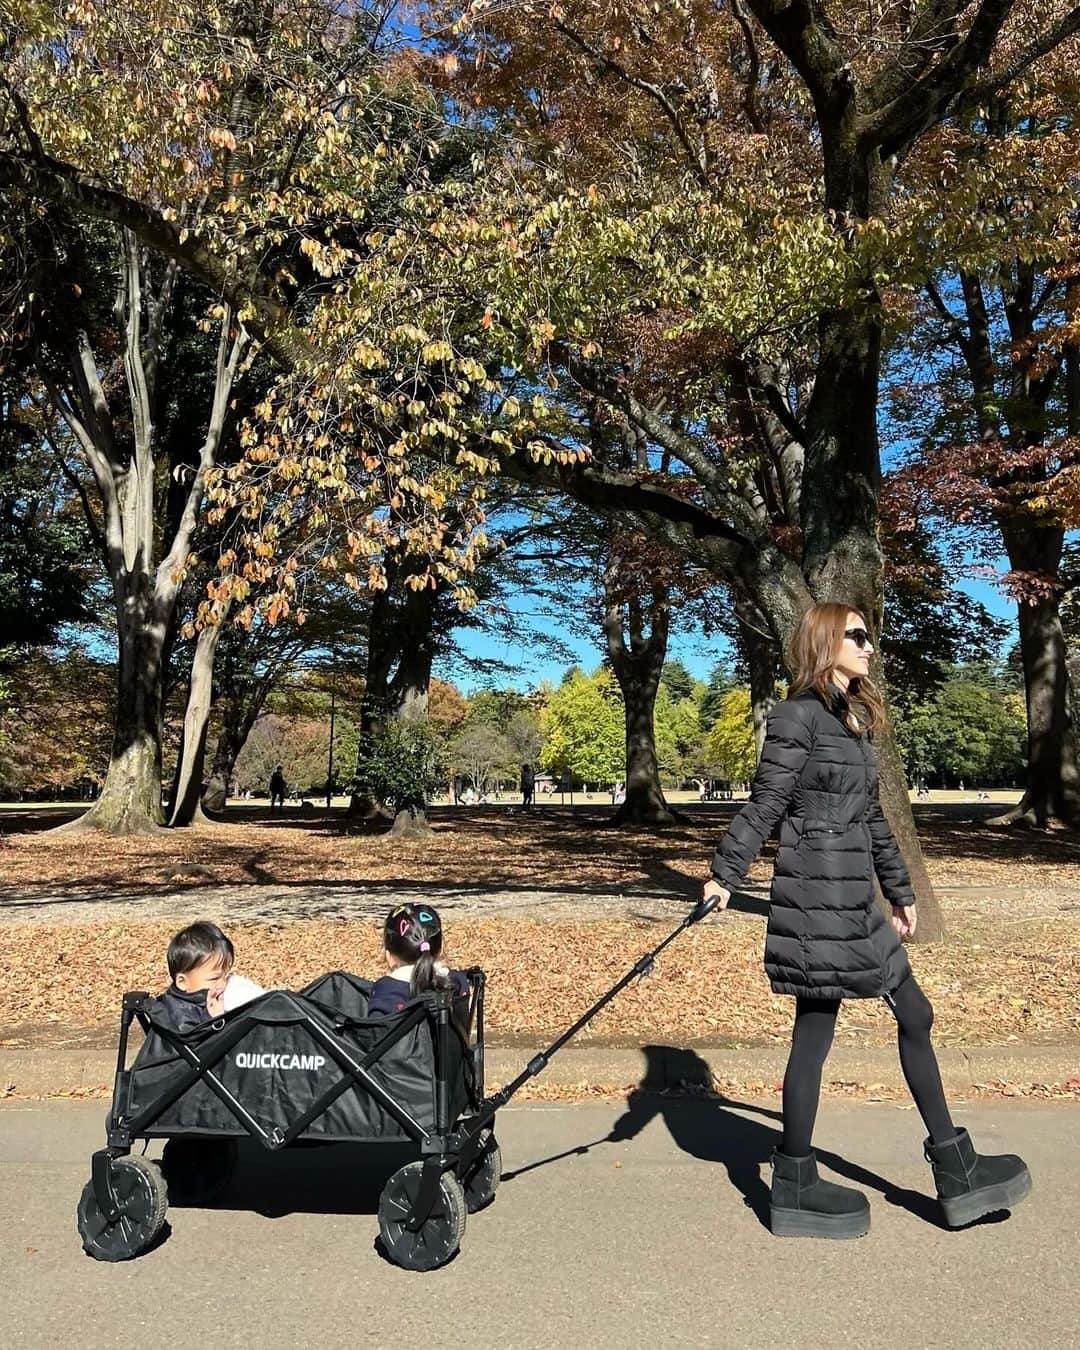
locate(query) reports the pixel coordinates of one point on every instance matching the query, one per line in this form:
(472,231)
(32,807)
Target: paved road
(656,1239)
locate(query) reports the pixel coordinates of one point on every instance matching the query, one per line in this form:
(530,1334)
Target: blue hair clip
(424,916)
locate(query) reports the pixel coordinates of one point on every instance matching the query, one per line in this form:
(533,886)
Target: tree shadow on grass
(946,829)
(568,848)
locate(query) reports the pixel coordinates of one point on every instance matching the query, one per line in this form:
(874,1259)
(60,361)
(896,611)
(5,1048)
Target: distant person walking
(528,784)
(827,940)
(278,788)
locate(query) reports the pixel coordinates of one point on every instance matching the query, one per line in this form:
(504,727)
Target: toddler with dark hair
(413,939)
(200,960)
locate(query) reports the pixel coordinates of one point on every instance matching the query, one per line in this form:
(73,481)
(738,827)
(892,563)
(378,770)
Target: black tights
(815,1020)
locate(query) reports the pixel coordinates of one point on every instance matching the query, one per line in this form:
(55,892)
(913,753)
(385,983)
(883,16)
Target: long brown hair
(812,655)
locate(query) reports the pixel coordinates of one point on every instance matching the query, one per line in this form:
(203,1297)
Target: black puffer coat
(826,936)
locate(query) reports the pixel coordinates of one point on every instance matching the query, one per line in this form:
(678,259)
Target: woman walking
(828,940)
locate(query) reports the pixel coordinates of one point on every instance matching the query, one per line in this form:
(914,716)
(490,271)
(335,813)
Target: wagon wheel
(142,1199)
(481,1178)
(198,1170)
(438,1237)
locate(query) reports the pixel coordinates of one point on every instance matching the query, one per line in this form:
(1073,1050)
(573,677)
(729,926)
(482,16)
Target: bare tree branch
(934,30)
(73,478)
(686,450)
(805,35)
(892,127)
(952,323)
(22,113)
(1043,45)
(55,181)
(697,156)
(102,469)
(230,354)
(750,103)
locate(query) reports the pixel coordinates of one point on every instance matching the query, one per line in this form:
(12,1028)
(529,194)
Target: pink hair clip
(425,946)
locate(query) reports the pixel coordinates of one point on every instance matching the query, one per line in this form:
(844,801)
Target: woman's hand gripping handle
(713,896)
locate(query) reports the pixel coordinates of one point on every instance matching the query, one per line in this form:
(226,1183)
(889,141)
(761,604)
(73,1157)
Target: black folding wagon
(308,1067)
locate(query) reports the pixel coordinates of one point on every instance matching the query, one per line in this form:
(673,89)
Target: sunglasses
(859,636)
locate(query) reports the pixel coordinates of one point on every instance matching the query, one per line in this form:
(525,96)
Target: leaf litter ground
(1007,973)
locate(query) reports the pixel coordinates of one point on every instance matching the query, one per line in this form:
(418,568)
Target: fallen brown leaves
(549,849)
(1016,983)
(492,850)
(727,1090)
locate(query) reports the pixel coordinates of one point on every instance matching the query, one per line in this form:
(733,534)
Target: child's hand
(215,1003)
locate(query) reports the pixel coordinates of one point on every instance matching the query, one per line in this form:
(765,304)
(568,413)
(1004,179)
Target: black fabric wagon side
(291,1067)
(313,1066)
(268,1070)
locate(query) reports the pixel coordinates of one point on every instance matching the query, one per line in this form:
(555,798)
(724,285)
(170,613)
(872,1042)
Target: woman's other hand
(903,920)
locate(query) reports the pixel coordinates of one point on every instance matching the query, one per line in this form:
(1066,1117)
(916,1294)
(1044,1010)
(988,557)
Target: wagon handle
(539,1062)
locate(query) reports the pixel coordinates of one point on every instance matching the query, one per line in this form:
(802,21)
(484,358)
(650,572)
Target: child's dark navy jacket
(390,995)
(184,1011)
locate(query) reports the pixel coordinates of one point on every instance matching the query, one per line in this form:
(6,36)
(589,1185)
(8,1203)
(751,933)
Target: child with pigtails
(413,939)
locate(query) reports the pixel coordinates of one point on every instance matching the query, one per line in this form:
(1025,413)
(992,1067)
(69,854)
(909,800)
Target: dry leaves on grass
(730,1090)
(550,849)
(496,851)
(708,988)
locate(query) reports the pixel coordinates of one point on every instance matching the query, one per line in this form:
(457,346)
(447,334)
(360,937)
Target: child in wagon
(200,960)
(413,939)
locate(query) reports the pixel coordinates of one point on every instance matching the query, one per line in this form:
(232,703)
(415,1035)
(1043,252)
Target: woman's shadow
(678,1086)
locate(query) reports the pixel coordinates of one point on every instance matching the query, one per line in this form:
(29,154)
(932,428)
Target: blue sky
(696,651)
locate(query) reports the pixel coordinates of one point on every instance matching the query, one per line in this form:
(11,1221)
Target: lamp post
(330,754)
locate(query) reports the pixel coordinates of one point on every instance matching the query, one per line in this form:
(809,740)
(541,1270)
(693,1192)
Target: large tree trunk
(410,688)
(130,800)
(362,802)
(411,823)
(400,641)
(645,803)
(373,707)
(763,664)
(1053,787)
(638,666)
(187,786)
(146,579)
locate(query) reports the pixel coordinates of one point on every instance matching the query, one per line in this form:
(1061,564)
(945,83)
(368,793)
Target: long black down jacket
(826,936)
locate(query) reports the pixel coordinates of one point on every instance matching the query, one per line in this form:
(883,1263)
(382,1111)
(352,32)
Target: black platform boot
(802,1205)
(971,1184)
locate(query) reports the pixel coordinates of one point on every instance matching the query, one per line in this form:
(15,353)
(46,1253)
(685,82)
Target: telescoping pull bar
(539,1062)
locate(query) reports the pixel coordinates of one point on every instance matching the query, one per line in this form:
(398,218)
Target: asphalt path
(656,1237)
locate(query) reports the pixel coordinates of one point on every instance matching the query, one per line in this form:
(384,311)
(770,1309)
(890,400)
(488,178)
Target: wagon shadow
(335,1178)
